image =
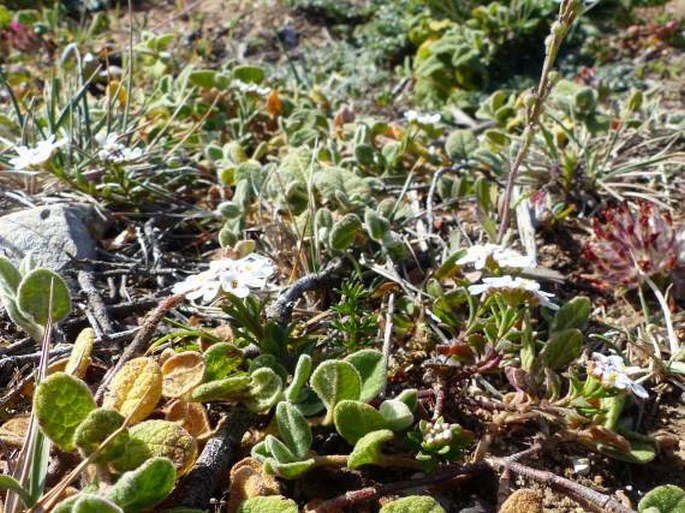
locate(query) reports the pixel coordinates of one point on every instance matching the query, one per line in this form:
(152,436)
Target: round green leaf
(371,367)
(334,381)
(96,427)
(367,450)
(413,504)
(61,402)
(89,503)
(354,419)
(666,499)
(220,360)
(397,414)
(270,504)
(226,389)
(265,391)
(144,487)
(33,296)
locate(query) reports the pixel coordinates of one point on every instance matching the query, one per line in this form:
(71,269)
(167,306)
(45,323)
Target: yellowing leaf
(190,416)
(182,372)
(136,389)
(13,432)
(80,353)
(168,439)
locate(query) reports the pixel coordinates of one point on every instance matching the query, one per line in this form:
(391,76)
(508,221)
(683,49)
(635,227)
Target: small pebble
(581,466)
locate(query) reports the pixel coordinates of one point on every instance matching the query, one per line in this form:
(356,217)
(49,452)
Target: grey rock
(55,235)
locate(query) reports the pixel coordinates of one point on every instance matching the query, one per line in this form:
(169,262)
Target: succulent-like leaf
(562,348)
(409,397)
(367,450)
(95,428)
(220,360)
(182,373)
(33,296)
(269,361)
(278,450)
(371,367)
(269,504)
(665,499)
(413,504)
(265,391)
(573,314)
(377,226)
(161,438)
(61,402)
(289,470)
(144,487)
(354,419)
(136,389)
(397,414)
(334,381)
(80,353)
(302,372)
(89,503)
(9,483)
(9,278)
(343,232)
(294,428)
(227,389)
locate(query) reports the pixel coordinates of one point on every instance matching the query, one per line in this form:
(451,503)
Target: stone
(55,235)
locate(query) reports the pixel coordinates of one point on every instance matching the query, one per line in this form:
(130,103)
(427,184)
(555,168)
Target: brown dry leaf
(13,432)
(136,389)
(166,354)
(524,500)
(248,480)
(190,416)
(182,372)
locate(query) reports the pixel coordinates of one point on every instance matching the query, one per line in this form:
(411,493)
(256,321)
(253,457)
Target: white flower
(237,277)
(505,257)
(114,151)
(32,158)
(422,119)
(504,283)
(613,373)
(251,88)
(205,285)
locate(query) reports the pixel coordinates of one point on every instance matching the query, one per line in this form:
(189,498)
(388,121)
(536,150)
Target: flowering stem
(568,12)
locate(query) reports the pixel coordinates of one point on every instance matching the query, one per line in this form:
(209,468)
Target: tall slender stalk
(569,11)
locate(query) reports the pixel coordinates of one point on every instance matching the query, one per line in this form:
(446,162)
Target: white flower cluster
(613,373)
(505,257)
(245,87)
(422,119)
(235,276)
(34,158)
(113,151)
(505,283)
(438,433)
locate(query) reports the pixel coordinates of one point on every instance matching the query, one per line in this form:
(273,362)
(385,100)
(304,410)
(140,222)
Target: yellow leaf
(248,479)
(80,353)
(182,372)
(136,389)
(190,416)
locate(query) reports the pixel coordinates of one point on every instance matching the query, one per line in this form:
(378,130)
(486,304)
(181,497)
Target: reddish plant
(633,241)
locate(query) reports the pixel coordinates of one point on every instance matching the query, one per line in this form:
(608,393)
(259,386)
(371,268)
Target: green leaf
(666,499)
(271,362)
(397,414)
(460,144)
(144,487)
(302,372)
(294,429)
(334,381)
(33,296)
(9,278)
(89,503)
(574,314)
(562,348)
(376,225)
(278,450)
(371,367)
(343,232)
(202,78)
(270,504)
(226,389)
(288,470)
(354,419)
(159,438)
(250,74)
(413,504)
(409,397)
(80,353)
(367,450)
(220,360)
(61,402)
(265,391)
(95,428)
(9,483)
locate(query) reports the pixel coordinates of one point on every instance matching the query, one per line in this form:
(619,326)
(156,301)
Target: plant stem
(568,12)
